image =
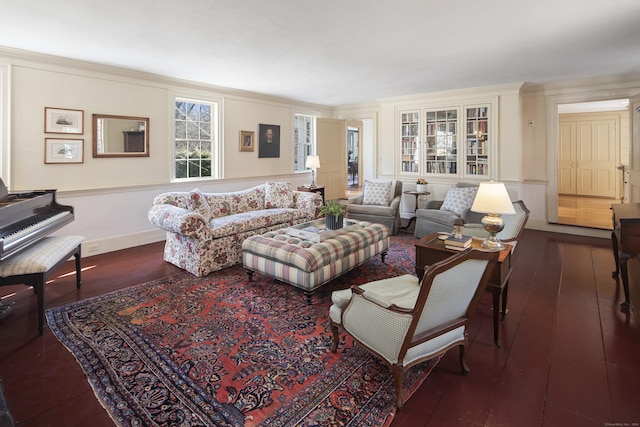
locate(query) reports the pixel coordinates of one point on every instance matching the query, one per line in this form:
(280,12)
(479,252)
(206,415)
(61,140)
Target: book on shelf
(463,241)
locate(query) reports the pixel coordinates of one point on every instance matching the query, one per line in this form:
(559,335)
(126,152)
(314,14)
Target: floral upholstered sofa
(205,230)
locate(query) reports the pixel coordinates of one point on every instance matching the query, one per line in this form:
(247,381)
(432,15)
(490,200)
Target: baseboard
(542,225)
(116,243)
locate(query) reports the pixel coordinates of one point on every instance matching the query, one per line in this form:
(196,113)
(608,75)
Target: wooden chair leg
(463,362)
(336,337)
(398,372)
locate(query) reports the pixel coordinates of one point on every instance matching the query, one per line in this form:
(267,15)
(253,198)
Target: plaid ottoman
(308,265)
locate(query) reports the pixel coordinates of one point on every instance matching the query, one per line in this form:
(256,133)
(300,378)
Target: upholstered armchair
(405,321)
(379,202)
(440,215)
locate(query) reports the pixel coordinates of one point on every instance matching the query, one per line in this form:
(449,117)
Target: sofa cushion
(278,195)
(199,204)
(377,193)
(459,199)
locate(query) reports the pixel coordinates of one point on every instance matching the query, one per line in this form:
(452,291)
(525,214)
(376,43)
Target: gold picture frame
(247,139)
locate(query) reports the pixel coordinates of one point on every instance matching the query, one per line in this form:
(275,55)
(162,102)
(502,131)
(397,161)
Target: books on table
(458,243)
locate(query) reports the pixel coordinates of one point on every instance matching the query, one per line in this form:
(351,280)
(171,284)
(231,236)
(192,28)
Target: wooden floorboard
(568,357)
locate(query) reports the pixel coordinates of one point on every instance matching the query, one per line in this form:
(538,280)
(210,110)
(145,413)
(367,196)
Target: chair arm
(380,329)
(178,220)
(433,204)
(356,200)
(395,203)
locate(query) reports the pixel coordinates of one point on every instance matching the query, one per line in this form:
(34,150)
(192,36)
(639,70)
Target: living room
(111,196)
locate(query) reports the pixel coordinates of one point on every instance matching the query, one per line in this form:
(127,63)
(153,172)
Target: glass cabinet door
(477,140)
(410,136)
(441,133)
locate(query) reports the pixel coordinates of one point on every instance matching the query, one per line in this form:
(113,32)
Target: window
(196,145)
(304,140)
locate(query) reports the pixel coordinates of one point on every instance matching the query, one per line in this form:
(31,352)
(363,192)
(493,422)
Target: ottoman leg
(309,296)
(250,275)
(383,255)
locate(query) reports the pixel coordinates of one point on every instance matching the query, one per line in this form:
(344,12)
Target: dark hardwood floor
(569,355)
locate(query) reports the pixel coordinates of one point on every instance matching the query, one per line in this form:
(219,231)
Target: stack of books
(457,243)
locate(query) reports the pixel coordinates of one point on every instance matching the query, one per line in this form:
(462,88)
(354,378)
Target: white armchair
(404,321)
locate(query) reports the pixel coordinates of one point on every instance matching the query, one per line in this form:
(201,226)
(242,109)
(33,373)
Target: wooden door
(567,153)
(331,147)
(634,172)
(588,154)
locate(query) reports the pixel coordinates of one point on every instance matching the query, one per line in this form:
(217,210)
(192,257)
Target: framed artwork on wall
(246,140)
(269,141)
(59,150)
(63,120)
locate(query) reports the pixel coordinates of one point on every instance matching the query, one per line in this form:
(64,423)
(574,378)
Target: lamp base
(494,224)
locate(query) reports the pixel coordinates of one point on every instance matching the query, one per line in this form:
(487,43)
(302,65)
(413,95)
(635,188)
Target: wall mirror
(120,136)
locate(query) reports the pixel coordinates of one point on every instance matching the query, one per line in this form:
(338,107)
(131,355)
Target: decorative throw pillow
(199,203)
(377,193)
(278,195)
(458,199)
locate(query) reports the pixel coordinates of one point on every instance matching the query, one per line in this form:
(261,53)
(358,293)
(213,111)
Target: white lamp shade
(313,162)
(492,198)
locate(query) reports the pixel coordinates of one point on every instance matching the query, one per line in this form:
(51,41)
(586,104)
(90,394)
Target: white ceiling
(337,52)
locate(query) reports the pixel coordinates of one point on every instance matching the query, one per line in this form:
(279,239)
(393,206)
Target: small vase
(333,223)
(421,188)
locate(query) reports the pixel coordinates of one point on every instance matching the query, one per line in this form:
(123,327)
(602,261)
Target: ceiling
(338,52)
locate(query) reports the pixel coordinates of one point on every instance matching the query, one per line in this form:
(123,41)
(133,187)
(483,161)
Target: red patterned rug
(222,351)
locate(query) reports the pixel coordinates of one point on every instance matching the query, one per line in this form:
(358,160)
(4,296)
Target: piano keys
(27,217)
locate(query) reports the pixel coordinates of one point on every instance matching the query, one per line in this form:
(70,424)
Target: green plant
(333,208)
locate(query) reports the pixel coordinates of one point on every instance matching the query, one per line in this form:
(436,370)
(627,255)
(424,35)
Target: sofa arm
(307,201)
(178,220)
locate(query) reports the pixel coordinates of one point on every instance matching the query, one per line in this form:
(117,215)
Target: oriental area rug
(223,351)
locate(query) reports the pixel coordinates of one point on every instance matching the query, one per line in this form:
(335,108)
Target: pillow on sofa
(278,195)
(377,193)
(458,199)
(199,203)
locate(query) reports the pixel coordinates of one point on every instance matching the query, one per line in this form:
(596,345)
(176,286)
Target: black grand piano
(27,217)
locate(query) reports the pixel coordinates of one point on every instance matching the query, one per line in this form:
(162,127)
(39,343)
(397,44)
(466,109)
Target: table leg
(496,315)
(625,281)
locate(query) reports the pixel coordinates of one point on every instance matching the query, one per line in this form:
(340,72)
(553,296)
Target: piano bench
(33,265)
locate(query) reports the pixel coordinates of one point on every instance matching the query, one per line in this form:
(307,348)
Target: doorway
(354,157)
(593,154)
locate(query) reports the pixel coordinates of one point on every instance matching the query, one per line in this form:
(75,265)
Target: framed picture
(269,142)
(59,150)
(246,140)
(62,120)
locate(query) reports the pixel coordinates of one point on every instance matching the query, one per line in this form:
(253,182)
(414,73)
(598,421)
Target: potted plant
(334,214)
(421,185)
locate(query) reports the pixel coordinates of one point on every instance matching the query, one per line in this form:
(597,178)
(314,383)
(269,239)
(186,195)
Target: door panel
(567,159)
(331,146)
(634,172)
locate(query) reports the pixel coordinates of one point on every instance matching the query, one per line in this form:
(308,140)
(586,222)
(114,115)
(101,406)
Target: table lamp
(313,163)
(492,198)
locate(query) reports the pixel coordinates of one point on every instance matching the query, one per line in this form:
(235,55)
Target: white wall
(111,196)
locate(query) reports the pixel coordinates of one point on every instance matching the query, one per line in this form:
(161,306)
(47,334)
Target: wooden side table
(430,249)
(417,194)
(317,189)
